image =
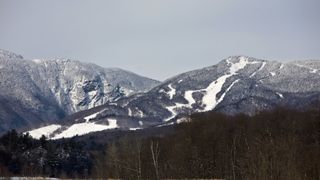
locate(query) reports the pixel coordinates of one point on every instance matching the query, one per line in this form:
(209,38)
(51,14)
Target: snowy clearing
(210,98)
(46,131)
(85,128)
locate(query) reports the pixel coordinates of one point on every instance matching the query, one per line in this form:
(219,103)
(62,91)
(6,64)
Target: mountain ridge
(237,84)
(33,92)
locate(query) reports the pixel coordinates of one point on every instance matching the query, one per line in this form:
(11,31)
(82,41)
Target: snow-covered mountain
(40,91)
(238,84)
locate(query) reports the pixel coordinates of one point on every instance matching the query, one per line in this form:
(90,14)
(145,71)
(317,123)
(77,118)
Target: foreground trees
(22,155)
(281,144)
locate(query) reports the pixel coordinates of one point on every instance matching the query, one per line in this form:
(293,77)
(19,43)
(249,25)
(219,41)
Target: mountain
(238,84)
(42,91)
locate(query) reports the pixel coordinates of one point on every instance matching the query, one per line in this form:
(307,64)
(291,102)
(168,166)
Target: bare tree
(155,151)
(138,146)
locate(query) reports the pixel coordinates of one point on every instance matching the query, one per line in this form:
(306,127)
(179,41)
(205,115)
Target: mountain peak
(9,55)
(237,58)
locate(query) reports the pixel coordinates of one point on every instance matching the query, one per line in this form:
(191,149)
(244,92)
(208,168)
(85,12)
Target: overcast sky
(161,38)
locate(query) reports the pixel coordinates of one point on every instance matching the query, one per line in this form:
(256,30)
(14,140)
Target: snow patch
(140,113)
(37,61)
(85,128)
(227,90)
(46,131)
(209,99)
(182,120)
(188,96)
(92,116)
(279,94)
(281,66)
(312,70)
(140,123)
(134,129)
(129,112)
(161,91)
(272,73)
(165,124)
(172,111)
(261,67)
(171,92)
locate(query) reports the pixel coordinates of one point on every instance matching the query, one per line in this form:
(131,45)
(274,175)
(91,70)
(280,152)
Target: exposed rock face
(43,90)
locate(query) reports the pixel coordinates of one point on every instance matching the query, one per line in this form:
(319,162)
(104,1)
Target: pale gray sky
(161,38)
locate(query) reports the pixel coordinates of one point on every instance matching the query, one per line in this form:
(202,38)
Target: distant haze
(161,38)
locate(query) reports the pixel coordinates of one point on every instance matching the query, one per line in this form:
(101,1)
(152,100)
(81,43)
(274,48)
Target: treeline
(20,155)
(282,144)
(279,144)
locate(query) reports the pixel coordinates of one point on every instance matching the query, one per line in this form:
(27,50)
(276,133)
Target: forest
(277,144)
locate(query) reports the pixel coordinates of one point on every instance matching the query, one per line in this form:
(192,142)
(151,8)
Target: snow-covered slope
(34,92)
(238,84)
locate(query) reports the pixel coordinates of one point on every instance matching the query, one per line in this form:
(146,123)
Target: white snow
(46,131)
(188,96)
(91,116)
(279,94)
(243,61)
(161,91)
(227,90)
(209,99)
(281,66)
(91,94)
(166,124)
(37,61)
(140,123)
(272,73)
(181,120)
(129,112)
(85,128)
(261,67)
(75,129)
(180,80)
(134,129)
(140,113)
(171,92)
(172,111)
(312,70)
